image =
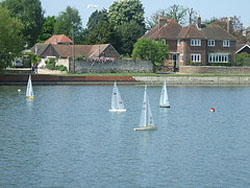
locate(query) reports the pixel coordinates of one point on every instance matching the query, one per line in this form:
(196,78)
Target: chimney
(162,20)
(55,41)
(229,25)
(198,21)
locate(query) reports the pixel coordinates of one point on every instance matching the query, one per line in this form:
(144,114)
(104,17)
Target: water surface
(66,137)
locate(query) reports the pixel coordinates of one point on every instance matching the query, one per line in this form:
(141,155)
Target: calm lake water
(66,137)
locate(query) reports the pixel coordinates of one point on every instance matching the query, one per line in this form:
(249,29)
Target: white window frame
(181,58)
(178,42)
(218,58)
(211,42)
(195,58)
(195,42)
(226,43)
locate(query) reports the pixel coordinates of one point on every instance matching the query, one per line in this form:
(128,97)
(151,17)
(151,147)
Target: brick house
(197,44)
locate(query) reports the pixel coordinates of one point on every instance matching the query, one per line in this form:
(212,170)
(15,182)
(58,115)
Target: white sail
(146,121)
(117,104)
(29,90)
(164,102)
(143,120)
(150,121)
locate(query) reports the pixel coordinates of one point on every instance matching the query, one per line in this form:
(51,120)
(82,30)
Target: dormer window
(195,42)
(226,43)
(211,43)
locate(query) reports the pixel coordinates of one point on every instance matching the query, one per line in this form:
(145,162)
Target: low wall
(213,70)
(195,80)
(112,67)
(47,71)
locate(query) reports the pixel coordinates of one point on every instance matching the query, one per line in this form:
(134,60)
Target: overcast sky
(206,8)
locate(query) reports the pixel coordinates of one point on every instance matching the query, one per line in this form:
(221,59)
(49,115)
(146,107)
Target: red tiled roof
(169,31)
(58,39)
(80,50)
(191,32)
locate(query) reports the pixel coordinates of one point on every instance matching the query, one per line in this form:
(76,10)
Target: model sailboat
(29,90)
(146,121)
(116,101)
(164,102)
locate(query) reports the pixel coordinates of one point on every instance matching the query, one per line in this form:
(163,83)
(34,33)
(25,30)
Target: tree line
(22,24)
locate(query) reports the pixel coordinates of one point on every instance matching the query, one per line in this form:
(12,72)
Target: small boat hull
(164,106)
(151,128)
(30,97)
(117,110)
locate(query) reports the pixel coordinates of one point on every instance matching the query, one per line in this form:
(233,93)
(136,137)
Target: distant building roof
(80,50)
(66,51)
(59,39)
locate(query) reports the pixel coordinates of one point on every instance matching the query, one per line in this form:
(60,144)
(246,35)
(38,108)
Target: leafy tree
(178,13)
(191,16)
(126,11)
(153,20)
(47,28)
(97,19)
(128,34)
(30,13)
(69,21)
(11,40)
(147,49)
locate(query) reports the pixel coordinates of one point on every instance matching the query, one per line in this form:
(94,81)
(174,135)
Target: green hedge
(243,59)
(51,65)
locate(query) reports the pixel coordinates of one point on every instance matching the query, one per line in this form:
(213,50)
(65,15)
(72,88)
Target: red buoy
(212,110)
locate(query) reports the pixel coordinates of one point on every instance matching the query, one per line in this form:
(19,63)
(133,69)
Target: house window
(195,42)
(211,42)
(178,42)
(196,58)
(218,58)
(181,57)
(226,43)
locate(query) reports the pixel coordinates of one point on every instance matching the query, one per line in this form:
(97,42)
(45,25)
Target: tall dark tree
(30,13)
(47,28)
(128,34)
(11,40)
(97,19)
(68,21)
